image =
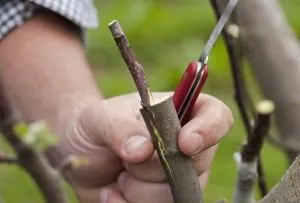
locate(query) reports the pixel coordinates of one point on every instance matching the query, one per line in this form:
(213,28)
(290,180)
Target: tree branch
(235,57)
(273,53)
(135,68)
(47,178)
(231,35)
(247,159)
(252,149)
(164,126)
(288,188)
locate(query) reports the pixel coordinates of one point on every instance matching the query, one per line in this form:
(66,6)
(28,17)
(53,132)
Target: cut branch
(247,159)
(251,150)
(164,126)
(133,65)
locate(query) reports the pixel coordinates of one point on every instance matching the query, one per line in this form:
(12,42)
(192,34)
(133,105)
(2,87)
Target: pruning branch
(163,124)
(247,158)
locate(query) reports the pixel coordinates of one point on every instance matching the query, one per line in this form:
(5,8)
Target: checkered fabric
(14,13)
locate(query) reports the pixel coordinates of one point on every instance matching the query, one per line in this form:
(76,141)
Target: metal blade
(217,30)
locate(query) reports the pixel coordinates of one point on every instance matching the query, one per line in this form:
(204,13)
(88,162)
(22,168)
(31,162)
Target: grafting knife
(194,77)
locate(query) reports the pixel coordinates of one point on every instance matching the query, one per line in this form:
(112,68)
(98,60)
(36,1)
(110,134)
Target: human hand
(123,167)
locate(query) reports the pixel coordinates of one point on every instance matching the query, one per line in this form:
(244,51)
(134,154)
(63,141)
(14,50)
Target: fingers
(136,191)
(211,120)
(152,171)
(111,195)
(115,123)
(203,160)
(108,194)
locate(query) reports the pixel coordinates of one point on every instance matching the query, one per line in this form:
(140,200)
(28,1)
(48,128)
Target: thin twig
(235,61)
(240,93)
(135,68)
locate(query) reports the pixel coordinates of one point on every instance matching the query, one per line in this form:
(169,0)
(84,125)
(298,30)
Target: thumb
(120,128)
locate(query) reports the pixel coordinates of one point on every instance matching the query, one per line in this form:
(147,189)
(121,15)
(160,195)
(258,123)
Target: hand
(123,167)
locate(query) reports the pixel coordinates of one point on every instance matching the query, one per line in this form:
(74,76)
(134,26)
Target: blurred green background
(165,35)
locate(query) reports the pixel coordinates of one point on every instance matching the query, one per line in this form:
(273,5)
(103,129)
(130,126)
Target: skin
(45,75)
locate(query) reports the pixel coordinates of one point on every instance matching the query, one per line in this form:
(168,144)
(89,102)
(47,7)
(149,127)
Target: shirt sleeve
(14,13)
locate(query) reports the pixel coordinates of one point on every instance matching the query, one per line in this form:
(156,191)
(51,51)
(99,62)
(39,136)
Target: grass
(165,37)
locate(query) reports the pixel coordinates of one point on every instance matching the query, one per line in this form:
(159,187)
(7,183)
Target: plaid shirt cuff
(14,13)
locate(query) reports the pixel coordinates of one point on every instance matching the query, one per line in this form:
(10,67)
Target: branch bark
(135,68)
(288,189)
(273,52)
(164,126)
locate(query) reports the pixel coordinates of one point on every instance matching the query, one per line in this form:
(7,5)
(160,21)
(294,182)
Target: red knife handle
(188,90)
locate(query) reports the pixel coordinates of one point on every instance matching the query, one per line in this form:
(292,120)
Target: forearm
(44,72)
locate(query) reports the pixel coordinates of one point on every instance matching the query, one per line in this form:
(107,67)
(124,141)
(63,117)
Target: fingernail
(135,143)
(103,196)
(195,141)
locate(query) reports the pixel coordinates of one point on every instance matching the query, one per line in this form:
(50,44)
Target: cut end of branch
(155,101)
(233,30)
(265,107)
(115,28)
(135,68)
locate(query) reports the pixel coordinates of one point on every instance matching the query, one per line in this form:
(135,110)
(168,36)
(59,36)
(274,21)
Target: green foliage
(165,36)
